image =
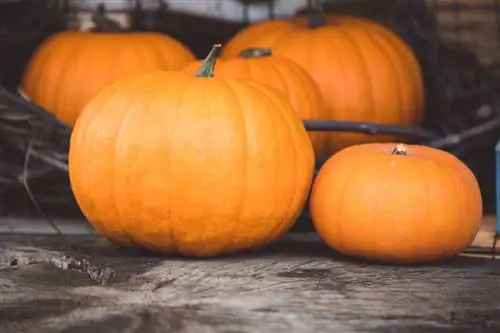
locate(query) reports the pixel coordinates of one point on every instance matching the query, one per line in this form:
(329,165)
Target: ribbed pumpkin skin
(262,34)
(69,68)
(364,71)
(282,74)
(421,207)
(194,166)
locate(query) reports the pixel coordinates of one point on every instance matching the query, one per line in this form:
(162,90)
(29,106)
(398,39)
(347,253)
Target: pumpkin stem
(400,149)
(255,52)
(105,24)
(207,68)
(317,16)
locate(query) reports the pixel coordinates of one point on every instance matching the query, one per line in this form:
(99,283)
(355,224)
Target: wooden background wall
(474,23)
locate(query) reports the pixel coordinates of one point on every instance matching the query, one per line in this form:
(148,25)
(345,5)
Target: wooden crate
(473,23)
(484,244)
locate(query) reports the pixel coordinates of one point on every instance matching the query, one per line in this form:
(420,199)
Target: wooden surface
(298,285)
(484,243)
(473,23)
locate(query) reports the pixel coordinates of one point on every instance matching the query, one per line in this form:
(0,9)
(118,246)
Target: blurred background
(456,41)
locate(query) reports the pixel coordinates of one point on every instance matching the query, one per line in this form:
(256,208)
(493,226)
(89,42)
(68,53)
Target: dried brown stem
(34,161)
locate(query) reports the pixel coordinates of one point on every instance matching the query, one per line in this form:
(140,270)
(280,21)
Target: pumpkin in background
(190,164)
(280,73)
(364,71)
(70,67)
(266,33)
(262,34)
(396,203)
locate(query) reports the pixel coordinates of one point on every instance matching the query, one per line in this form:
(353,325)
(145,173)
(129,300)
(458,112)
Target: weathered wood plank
(485,237)
(297,285)
(473,23)
(483,240)
(454,4)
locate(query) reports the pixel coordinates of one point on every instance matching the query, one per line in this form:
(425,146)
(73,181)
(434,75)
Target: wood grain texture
(485,238)
(483,241)
(298,285)
(473,23)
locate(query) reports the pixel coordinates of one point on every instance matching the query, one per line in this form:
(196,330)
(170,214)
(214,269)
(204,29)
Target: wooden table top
(297,285)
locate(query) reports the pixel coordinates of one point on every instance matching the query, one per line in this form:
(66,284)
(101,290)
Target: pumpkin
(190,164)
(70,67)
(364,71)
(262,34)
(396,203)
(280,73)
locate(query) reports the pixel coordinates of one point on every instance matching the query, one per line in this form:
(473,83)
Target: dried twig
(34,168)
(24,180)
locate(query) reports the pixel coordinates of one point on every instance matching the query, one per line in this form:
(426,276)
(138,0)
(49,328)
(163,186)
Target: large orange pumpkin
(266,33)
(262,34)
(396,203)
(280,73)
(364,71)
(70,67)
(194,165)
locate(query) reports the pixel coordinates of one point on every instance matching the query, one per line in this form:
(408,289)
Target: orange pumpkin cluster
(190,163)
(194,158)
(362,69)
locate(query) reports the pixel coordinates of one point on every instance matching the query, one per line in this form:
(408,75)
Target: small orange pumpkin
(193,165)
(396,203)
(280,73)
(364,71)
(70,67)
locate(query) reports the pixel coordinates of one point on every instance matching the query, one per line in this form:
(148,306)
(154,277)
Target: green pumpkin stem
(400,149)
(317,17)
(105,24)
(255,52)
(207,68)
